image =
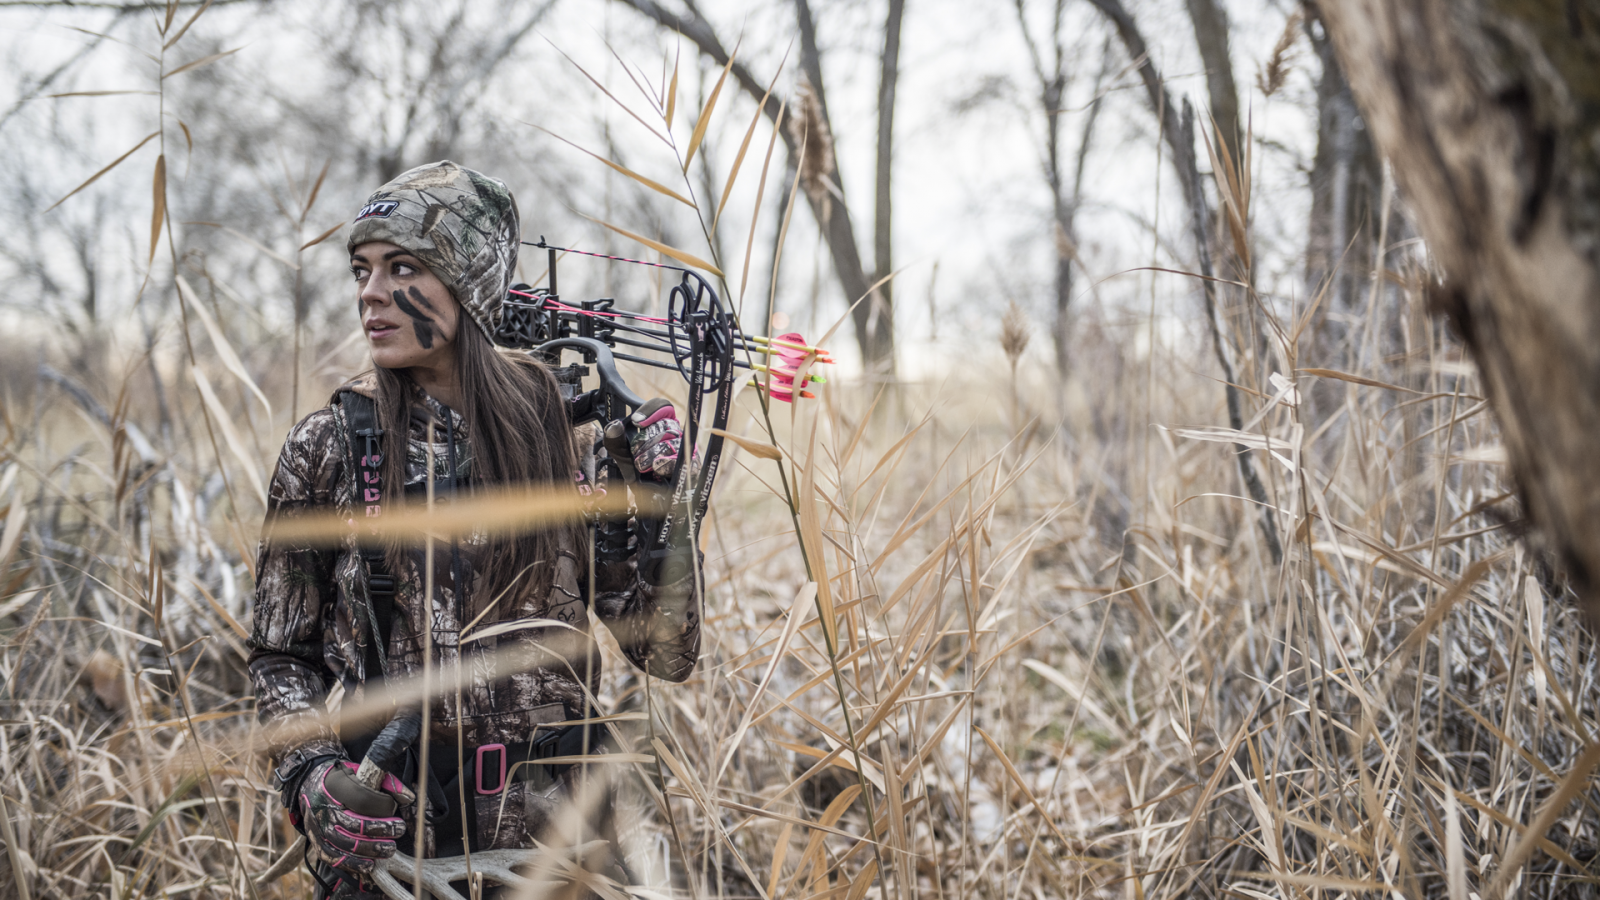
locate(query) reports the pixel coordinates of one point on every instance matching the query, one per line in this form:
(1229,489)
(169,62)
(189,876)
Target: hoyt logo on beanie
(461,224)
(379,210)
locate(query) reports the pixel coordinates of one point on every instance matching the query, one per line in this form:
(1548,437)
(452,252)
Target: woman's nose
(373,293)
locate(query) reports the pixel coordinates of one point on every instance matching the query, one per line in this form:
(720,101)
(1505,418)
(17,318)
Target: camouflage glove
(351,825)
(657,440)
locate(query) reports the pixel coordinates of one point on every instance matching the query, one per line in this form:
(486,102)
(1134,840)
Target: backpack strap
(366,454)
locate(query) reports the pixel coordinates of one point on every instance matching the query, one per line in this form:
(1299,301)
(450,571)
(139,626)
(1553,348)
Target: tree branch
(833,218)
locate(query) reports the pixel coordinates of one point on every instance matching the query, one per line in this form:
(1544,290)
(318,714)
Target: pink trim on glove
(665,412)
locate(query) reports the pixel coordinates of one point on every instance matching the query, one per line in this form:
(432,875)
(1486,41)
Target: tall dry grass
(1000,638)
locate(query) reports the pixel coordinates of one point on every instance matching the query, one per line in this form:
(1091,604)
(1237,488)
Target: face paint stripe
(418,296)
(419,321)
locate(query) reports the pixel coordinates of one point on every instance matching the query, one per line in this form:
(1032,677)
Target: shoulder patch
(377,210)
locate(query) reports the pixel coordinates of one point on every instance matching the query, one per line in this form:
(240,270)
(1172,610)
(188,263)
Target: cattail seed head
(1014,332)
(1271,78)
(1066,248)
(810,131)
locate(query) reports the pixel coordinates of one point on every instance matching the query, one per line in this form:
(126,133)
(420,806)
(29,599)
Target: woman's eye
(401,268)
(358,274)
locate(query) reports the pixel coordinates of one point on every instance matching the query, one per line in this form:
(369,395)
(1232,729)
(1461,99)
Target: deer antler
(494,865)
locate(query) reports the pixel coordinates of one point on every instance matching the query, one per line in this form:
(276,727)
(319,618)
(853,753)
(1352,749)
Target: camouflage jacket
(311,620)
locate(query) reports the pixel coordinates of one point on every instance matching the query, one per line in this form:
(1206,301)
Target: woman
(433,254)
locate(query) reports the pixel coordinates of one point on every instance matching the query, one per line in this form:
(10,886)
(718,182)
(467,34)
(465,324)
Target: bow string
(700,338)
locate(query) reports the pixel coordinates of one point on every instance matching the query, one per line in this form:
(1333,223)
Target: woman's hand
(351,825)
(657,440)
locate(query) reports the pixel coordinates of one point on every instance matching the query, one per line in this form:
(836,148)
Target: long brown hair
(517,424)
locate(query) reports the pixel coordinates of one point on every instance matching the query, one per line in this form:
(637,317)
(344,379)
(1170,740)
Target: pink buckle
(500,784)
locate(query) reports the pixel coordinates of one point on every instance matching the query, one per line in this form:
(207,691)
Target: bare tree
(1228,136)
(1065,197)
(1210,22)
(1177,129)
(438,73)
(874,320)
(883,197)
(1346,192)
(1486,114)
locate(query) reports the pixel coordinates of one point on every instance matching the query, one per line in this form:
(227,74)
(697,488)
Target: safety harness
(366,457)
(486,770)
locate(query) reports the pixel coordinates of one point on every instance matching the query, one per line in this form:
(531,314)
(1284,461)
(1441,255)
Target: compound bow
(700,337)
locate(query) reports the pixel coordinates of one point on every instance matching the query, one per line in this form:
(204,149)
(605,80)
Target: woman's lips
(377,332)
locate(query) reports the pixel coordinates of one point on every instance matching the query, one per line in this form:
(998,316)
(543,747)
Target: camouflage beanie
(461,224)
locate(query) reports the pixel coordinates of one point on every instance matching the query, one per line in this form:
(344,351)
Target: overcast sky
(970,194)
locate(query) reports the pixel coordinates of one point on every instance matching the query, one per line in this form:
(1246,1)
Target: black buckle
(547,745)
(371,435)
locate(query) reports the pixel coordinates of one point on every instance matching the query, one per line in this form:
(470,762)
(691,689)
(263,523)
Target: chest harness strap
(366,455)
(484,772)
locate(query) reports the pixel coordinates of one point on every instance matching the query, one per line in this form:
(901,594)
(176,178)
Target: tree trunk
(1341,233)
(1052,86)
(1067,210)
(882,212)
(833,218)
(1346,189)
(1487,110)
(1178,132)
(874,324)
(1211,36)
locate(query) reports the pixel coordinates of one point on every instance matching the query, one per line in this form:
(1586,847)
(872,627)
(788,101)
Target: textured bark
(1489,113)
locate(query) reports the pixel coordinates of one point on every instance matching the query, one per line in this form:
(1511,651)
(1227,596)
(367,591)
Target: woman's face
(409,316)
